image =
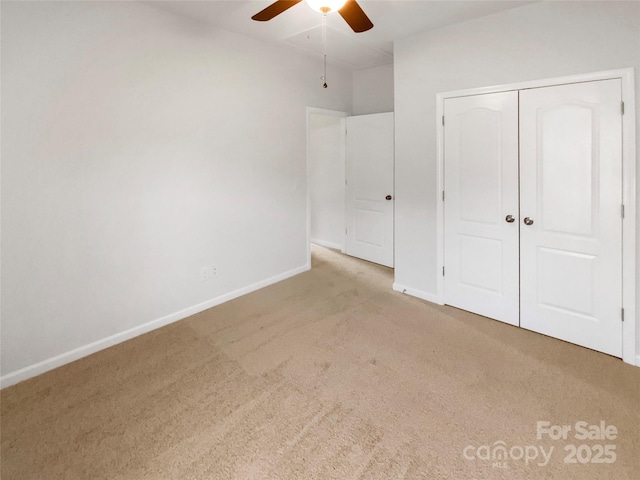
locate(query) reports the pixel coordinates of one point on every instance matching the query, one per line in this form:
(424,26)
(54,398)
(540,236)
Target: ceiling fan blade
(274,9)
(355,16)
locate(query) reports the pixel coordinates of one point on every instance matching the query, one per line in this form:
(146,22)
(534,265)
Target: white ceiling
(300,26)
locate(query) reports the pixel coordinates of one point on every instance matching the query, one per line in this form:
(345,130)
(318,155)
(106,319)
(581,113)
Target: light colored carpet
(328,375)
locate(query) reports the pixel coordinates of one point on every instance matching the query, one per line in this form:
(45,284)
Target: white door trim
(317,111)
(626,75)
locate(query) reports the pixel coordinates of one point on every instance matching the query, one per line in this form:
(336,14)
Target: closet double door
(532,210)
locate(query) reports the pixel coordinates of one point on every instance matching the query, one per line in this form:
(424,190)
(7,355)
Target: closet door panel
(571,244)
(481,190)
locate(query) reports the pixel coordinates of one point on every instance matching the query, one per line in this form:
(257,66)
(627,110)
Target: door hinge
(443,120)
(443,195)
(443,270)
(622,210)
(622,108)
(622,314)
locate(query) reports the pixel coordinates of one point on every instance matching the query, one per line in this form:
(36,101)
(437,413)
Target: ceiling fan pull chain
(324,48)
(324,76)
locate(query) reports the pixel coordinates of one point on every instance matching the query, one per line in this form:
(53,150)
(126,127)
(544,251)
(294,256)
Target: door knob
(510,218)
(388,197)
(528,221)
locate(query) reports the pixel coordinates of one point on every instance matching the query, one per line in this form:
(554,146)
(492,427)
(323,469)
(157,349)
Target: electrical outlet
(207,273)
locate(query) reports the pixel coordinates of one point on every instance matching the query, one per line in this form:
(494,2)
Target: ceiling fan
(349,10)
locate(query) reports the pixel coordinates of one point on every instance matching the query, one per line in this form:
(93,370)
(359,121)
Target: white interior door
(369,189)
(571,241)
(481,205)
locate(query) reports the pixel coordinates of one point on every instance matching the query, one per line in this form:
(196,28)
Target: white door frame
(629,347)
(317,111)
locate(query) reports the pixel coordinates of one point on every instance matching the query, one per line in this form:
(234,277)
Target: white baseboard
(324,243)
(77,353)
(414,292)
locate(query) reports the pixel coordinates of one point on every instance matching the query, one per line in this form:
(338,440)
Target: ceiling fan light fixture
(326,6)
